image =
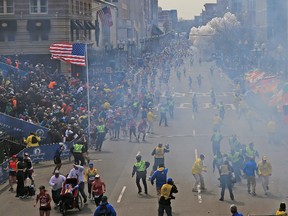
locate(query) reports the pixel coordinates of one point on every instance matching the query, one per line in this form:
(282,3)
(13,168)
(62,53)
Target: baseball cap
(91,164)
(56,171)
(264,158)
(26,154)
(97,176)
(14,156)
(169,180)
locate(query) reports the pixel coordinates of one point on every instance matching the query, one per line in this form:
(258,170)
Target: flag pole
(88,94)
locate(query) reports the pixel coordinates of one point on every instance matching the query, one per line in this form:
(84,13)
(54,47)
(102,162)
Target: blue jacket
(161,177)
(250,168)
(110,209)
(237,214)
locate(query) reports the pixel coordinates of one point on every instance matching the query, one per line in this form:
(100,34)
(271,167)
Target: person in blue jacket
(105,208)
(250,168)
(161,177)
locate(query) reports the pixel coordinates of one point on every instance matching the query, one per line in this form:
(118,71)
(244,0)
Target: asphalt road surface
(188,135)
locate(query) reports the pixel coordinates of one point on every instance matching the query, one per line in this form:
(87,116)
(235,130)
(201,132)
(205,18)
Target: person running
(44,198)
(216,141)
(158,154)
(89,177)
(226,179)
(57,157)
(221,109)
(98,189)
(78,172)
(142,126)
(105,208)
(197,170)
(140,168)
(151,119)
(163,117)
(194,104)
(12,168)
(199,80)
(250,168)
(167,191)
(132,129)
(264,171)
(56,181)
(160,175)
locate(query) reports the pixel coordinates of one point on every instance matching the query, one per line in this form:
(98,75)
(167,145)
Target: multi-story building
(167,20)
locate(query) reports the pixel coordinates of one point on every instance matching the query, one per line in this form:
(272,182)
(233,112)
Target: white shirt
(79,173)
(56,183)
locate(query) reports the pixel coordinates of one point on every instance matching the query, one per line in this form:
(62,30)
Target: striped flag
(69,53)
(105,16)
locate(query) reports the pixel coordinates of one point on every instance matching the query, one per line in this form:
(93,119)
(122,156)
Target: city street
(188,135)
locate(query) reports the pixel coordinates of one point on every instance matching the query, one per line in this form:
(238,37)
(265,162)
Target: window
(6,6)
(7,36)
(39,36)
(38,6)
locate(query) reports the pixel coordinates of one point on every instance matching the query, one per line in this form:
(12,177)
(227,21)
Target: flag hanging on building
(105,16)
(69,53)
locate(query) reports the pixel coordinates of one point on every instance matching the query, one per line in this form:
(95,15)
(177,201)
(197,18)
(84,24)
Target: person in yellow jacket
(89,176)
(197,170)
(282,210)
(264,171)
(32,140)
(151,119)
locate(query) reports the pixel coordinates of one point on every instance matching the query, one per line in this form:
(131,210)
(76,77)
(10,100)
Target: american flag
(69,53)
(105,16)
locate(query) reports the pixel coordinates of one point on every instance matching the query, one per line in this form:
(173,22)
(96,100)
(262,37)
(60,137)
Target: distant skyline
(187,9)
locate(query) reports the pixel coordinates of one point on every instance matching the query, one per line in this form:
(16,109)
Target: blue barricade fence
(20,129)
(37,154)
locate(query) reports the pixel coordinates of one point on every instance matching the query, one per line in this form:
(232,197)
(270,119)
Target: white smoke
(219,33)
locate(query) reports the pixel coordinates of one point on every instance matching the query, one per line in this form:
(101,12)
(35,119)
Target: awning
(8,25)
(89,25)
(156,31)
(39,25)
(80,24)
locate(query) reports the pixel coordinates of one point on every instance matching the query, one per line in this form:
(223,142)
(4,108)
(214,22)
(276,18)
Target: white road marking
(121,194)
(138,153)
(194,132)
(193,117)
(196,153)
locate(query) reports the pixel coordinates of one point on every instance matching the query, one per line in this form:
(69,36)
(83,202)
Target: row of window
(44,36)
(36,6)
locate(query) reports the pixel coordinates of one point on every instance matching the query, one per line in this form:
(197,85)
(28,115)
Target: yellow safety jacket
(159,152)
(166,191)
(224,170)
(250,152)
(77,148)
(90,174)
(198,167)
(281,213)
(264,169)
(140,166)
(101,128)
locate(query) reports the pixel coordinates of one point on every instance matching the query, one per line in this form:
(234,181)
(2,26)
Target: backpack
(34,140)
(104,211)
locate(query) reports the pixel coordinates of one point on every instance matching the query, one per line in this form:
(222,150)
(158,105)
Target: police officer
(226,179)
(78,149)
(167,191)
(158,154)
(101,132)
(236,159)
(140,168)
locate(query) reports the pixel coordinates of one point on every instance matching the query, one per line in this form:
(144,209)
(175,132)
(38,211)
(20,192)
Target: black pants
(20,183)
(98,200)
(99,141)
(28,174)
(81,190)
(89,187)
(225,181)
(167,208)
(132,131)
(56,195)
(139,176)
(215,148)
(78,157)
